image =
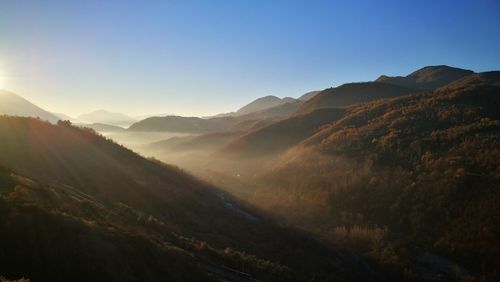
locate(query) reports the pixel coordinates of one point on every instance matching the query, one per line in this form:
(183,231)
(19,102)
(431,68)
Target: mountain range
(406,166)
(388,180)
(265,108)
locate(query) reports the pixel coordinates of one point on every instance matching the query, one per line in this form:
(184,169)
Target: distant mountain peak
(429,72)
(107,117)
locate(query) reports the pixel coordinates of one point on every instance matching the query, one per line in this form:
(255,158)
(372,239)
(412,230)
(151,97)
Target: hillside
(198,125)
(261,110)
(15,105)
(491,77)
(53,232)
(407,175)
(209,141)
(408,181)
(279,136)
(271,106)
(308,95)
(427,78)
(125,216)
(183,124)
(352,93)
(281,110)
(262,103)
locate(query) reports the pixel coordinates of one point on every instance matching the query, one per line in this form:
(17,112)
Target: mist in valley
(297,141)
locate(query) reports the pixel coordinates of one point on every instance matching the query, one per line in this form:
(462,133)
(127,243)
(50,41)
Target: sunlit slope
(424,166)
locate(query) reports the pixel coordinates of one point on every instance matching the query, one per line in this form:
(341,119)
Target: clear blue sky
(204,57)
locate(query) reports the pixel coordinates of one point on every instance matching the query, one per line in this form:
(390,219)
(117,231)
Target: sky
(200,58)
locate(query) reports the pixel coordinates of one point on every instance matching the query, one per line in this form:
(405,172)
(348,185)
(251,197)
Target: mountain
(281,110)
(352,93)
(103,116)
(308,95)
(491,77)
(268,105)
(15,105)
(414,175)
(263,103)
(427,78)
(183,124)
(404,177)
(281,135)
(223,122)
(71,201)
(196,125)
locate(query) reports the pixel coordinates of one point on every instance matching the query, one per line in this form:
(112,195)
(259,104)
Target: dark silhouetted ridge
(352,93)
(427,78)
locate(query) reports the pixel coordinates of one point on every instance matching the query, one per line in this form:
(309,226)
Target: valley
(341,176)
(249,141)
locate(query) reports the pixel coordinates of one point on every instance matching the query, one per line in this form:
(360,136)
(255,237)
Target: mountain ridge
(15,105)
(428,78)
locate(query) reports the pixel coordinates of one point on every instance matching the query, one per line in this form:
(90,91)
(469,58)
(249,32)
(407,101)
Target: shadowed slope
(427,78)
(99,203)
(210,141)
(183,124)
(352,93)
(491,77)
(308,95)
(281,135)
(263,103)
